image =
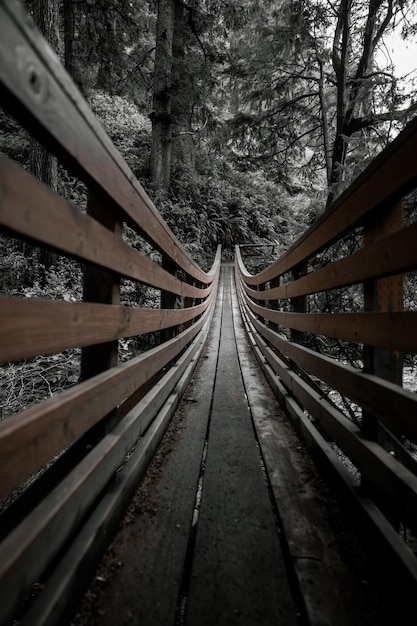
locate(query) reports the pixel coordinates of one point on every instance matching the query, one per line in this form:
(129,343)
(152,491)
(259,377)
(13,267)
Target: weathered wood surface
(153,547)
(382,469)
(219,561)
(30,209)
(31,438)
(395,253)
(327,577)
(30,327)
(34,543)
(396,330)
(238,573)
(393,405)
(67,580)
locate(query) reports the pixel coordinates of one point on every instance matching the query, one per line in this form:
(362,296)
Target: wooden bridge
(228,521)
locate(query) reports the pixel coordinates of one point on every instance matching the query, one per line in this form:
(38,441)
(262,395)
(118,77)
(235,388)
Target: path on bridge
(230,525)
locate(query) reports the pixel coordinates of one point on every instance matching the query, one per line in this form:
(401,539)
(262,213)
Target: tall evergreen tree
(162,96)
(311,97)
(46,16)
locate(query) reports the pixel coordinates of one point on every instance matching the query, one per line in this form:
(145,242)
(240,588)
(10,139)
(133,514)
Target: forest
(243,120)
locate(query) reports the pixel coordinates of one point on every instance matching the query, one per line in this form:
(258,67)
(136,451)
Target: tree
(312,99)
(46,16)
(162,97)
(359,31)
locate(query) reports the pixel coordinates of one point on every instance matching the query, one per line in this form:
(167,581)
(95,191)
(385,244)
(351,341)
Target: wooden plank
(384,294)
(147,587)
(373,525)
(40,93)
(66,583)
(331,590)
(394,254)
(31,546)
(29,208)
(30,327)
(103,287)
(393,406)
(383,470)
(396,330)
(31,438)
(238,575)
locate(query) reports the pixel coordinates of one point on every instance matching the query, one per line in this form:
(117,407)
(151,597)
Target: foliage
(127,127)
(217,203)
(111,46)
(28,382)
(14,140)
(309,100)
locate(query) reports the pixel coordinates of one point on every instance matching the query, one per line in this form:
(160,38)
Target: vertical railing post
(188,302)
(261,287)
(273,304)
(168,301)
(299,304)
(103,287)
(383,295)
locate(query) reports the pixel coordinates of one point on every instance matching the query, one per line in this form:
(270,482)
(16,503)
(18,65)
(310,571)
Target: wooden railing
(328,324)
(116,409)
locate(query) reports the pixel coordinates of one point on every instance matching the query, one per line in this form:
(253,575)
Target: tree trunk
(68,22)
(340,59)
(162,98)
(353,96)
(324,122)
(44,165)
(183,149)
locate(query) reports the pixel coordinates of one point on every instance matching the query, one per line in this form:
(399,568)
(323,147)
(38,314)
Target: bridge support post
(384,295)
(168,301)
(273,304)
(299,304)
(101,287)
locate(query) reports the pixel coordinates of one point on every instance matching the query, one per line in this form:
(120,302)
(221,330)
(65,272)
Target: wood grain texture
(328,581)
(32,437)
(396,330)
(238,575)
(395,253)
(384,471)
(30,209)
(33,544)
(30,327)
(391,404)
(146,589)
(76,567)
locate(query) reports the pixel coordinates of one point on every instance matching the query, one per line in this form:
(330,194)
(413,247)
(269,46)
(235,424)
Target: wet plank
(238,574)
(150,549)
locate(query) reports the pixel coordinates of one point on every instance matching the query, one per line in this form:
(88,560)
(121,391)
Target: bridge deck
(231,524)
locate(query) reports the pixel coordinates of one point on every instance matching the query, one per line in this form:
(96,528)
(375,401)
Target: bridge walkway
(231,524)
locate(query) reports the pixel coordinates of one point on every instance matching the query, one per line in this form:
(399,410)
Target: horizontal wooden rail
(78,439)
(360,407)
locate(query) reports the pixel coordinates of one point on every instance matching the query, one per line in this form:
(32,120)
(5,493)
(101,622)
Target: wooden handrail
(116,408)
(276,301)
